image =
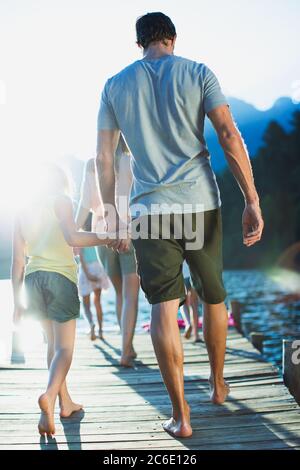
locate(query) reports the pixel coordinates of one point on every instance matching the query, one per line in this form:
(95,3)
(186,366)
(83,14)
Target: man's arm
(85,203)
(237,157)
(106,148)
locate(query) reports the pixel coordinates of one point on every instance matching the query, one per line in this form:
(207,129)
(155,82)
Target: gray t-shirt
(159,106)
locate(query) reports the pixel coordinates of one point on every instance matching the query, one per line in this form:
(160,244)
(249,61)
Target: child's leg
(46,423)
(186,315)
(117,284)
(64,335)
(195,307)
(129,316)
(66,404)
(87,309)
(98,307)
(48,331)
(88,315)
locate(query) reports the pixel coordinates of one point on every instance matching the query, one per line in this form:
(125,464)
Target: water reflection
(270,306)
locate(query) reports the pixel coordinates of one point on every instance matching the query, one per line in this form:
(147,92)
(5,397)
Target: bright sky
(55,56)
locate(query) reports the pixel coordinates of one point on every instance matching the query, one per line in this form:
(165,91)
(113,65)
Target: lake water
(268,307)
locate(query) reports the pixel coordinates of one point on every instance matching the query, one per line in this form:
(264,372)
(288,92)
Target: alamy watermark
(296,354)
(176,221)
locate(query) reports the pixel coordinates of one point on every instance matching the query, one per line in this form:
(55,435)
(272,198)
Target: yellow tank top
(46,247)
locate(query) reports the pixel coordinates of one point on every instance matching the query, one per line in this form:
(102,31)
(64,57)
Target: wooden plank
(125,408)
(20,428)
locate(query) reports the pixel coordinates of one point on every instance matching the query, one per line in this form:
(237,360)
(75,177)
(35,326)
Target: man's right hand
(121,245)
(253,224)
(119,228)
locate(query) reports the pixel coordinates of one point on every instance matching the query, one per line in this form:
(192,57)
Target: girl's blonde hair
(52,179)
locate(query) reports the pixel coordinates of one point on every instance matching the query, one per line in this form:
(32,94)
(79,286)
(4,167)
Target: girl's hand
(18,313)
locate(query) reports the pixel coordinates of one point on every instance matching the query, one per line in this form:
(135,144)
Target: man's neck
(157,51)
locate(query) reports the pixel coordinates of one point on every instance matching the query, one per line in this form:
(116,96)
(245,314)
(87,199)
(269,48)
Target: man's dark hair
(154,27)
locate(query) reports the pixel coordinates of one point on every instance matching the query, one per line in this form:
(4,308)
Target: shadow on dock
(126,407)
(229,425)
(71,431)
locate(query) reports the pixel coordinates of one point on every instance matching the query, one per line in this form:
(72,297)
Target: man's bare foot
(93,334)
(126,361)
(69,407)
(218,392)
(197,339)
(46,423)
(188,331)
(179,427)
(132,353)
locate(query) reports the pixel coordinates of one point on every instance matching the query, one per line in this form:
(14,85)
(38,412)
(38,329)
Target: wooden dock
(124,409)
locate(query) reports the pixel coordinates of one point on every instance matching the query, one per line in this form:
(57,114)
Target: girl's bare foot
(126,361)
(218,391)
(179,427)
(46,423)
(188,332)
(92,334)
(69,407)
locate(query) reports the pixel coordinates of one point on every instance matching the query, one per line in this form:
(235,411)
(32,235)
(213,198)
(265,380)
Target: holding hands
(117,234)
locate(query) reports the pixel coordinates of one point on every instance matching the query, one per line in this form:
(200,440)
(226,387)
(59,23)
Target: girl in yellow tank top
(44,234)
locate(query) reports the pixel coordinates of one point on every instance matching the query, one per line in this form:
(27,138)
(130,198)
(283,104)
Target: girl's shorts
(51,296)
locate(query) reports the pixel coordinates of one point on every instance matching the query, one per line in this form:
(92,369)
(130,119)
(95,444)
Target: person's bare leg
(64,335)
(46,423)
(99,311)
(131,286)
(215,320)
(66,404)
(117,283)
(195,307)
(168,349)
(88,314)
(186,315)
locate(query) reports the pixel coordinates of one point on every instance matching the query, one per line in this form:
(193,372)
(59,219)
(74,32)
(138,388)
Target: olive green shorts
(159,260)
(51,296)
(117,264)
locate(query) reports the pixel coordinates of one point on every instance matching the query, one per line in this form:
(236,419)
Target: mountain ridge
(252,124)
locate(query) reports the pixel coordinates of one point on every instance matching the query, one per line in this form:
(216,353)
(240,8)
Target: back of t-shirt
(160,105)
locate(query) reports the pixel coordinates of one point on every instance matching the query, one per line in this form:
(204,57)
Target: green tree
(276,169)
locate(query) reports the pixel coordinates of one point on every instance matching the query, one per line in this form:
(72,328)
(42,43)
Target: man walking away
(159,104)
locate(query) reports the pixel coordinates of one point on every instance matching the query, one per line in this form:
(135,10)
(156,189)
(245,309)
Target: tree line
(276,168)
